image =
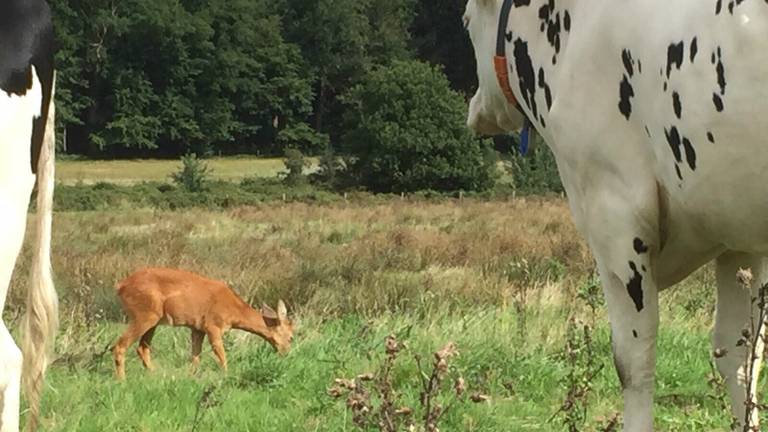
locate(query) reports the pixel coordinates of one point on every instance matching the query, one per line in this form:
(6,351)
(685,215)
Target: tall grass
(499,278)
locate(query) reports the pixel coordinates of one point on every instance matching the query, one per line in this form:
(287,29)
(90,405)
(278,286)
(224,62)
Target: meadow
(130,171)
(502,279)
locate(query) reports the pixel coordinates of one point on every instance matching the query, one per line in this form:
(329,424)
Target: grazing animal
(154,296)
(27,146)
(655,113)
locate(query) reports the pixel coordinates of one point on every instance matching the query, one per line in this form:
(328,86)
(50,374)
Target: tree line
(149,78)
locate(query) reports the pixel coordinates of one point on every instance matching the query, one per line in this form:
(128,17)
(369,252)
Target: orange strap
(502,75)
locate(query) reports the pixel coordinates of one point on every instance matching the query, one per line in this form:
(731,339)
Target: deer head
(280,326)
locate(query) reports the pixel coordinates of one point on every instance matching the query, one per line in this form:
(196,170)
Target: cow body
(26,156)
(653,111)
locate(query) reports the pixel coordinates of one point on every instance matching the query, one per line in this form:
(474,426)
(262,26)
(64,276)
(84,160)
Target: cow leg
(732,315)
(16,182)
(632,299)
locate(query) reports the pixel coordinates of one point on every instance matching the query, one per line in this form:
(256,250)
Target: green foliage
(438,37)
(302,137)
(164,196)
(330,170)
(174,77)
(407,132)
(295,163)
(193,175)
(536,172)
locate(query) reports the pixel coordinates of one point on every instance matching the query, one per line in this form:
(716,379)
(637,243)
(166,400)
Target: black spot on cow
(626,58)
(647,131)
(508,36)
(521,3)
(730,7)
(634,333)
(16,82)
(694,49)
(544,86)
(639,67)
(626,92)
(718,101)
(690,153)
(635,287)
(677,105)
(718,7)
(639,246)
(720,69)
(525,75)
(666,86)
(674,56)
(673,138)
(643,267)
(567,21)
(550,21)
(711,137)
(713,59)
(677,171)
(27,41)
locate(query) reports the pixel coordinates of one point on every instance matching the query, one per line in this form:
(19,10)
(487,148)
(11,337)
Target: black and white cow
(655,111)
(27,146)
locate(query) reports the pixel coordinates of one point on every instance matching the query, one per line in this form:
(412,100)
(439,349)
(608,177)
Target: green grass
(264,392)
(352,273)
(138,170)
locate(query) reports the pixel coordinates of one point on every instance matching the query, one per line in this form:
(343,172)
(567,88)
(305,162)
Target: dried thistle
(383,410)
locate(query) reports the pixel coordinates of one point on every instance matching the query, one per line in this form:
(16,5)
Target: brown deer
(154,296)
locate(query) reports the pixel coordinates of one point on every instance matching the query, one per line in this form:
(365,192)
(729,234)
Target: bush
(330,170)
(408,132)
(535,173)
(193,175)
(295,163)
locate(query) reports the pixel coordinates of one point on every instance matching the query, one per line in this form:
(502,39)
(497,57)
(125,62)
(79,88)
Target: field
(137,170)
(501,279)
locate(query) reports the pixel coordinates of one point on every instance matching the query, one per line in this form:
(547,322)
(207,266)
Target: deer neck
(250,320)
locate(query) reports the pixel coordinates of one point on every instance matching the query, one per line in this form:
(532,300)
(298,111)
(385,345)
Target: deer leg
(214,337)
(136,328)
(197,347)
(144,348)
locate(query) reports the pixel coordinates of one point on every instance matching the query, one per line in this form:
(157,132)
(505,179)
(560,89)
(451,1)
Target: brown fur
(155,296)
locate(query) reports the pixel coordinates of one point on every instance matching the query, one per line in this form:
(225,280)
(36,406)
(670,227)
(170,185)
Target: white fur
(16,184)
(622,184)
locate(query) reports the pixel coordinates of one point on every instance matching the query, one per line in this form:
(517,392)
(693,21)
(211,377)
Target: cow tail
(41,320)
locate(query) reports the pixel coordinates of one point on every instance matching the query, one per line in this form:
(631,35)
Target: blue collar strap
(525,137)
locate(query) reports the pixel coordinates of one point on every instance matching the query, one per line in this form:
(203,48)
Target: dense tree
(439,37)
(407,133)
(149,75)
(156,78)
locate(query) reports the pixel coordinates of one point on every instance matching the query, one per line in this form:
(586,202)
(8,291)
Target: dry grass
(330,259)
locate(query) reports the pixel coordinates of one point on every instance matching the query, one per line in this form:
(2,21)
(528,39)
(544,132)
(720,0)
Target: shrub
(535,173)
(295,163)
(408,132)
(193,175)
(330,170)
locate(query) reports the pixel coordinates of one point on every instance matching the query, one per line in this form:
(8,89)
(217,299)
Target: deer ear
(282,312)
(268,312)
